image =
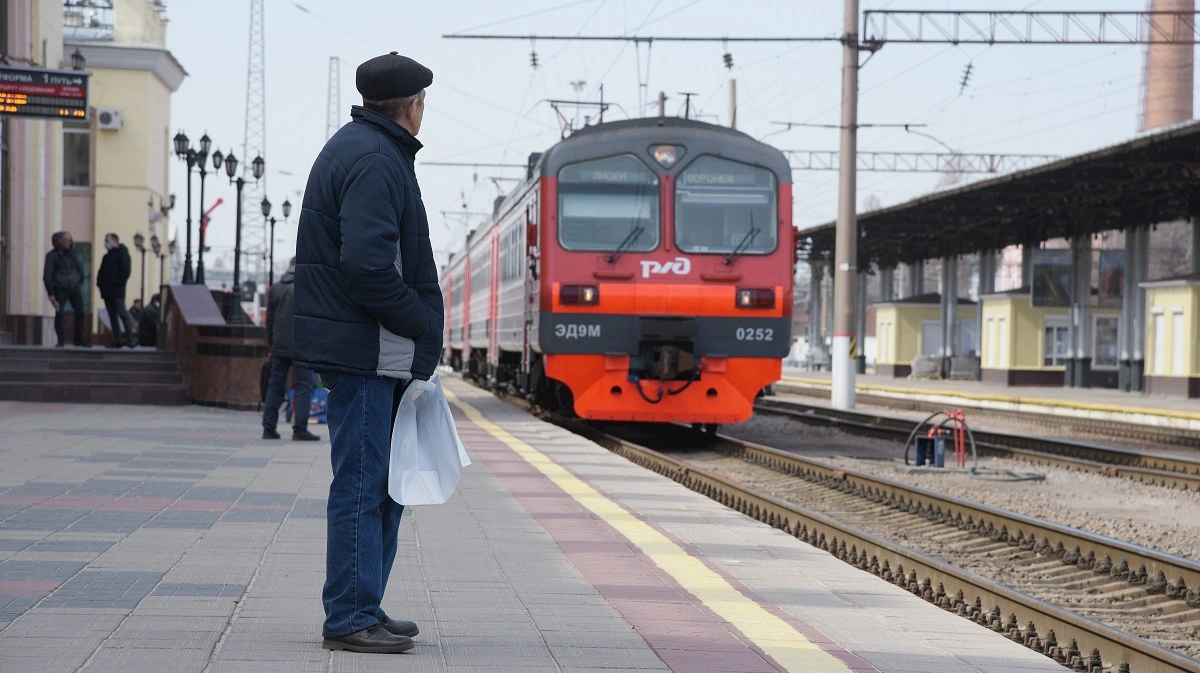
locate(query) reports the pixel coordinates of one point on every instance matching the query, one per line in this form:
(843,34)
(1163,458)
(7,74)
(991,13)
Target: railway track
(1152,468)
(1096,578)
(1132,431)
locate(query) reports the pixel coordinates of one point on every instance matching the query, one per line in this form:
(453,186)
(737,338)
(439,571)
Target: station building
(107,173)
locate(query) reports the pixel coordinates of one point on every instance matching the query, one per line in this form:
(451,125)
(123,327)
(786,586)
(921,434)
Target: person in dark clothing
(63,278)
(369,319)
(279,341)
(135,310)
(111,279)
(148,322)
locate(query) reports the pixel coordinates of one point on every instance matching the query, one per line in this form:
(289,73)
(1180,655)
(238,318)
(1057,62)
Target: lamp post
(287,211)
(156,248)
(202,162)
(266,211)
(139,242)
(188,155)
(258,166)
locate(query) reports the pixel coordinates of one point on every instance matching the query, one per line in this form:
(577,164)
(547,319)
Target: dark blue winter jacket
(367,298)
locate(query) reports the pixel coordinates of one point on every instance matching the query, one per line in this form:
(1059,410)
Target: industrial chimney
(1168,76)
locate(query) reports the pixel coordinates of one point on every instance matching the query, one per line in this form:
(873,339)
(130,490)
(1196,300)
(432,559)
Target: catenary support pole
(846,252)
(1027,263)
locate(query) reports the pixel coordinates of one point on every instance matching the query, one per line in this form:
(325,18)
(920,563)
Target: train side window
(602,203)
(722,205)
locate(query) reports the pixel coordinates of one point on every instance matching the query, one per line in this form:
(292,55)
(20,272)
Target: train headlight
(667,155)
(581,295)
(755,298)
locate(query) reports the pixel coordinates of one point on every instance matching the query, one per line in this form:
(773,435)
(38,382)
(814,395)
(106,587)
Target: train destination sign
(54,94)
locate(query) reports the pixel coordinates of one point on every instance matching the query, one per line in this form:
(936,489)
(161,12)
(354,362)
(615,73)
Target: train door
(493,305)
(530,276)
(466,317)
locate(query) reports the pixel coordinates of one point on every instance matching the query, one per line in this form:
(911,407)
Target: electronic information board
(54,94)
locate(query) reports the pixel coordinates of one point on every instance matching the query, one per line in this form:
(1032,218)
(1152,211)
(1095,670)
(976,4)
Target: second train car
(641,272)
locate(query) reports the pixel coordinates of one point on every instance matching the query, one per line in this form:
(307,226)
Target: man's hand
(54,302)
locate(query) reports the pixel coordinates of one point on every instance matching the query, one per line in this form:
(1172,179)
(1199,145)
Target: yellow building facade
(133,77)
(906,328)
(1173,337)
(1026,345)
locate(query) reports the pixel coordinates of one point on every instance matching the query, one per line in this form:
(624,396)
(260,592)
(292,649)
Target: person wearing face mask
(111,279)
(63,278)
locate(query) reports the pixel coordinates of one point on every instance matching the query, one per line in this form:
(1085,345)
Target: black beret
(391,76)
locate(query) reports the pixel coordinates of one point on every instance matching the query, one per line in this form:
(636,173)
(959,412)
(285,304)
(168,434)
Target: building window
(1056,345)
(77,155)
(1106,349)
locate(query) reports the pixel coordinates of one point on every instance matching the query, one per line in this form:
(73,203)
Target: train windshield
(608,204)
(724,206)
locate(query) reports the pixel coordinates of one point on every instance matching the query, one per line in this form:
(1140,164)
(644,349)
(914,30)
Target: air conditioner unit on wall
(108,119)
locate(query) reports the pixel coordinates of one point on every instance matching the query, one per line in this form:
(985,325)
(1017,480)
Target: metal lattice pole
(254,241)
(333,113)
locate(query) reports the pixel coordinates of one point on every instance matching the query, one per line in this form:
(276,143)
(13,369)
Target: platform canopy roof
(1150,179)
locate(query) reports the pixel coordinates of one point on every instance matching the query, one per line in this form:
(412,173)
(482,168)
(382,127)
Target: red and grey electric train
(641,272)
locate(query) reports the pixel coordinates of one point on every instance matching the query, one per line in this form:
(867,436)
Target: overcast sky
(485,104)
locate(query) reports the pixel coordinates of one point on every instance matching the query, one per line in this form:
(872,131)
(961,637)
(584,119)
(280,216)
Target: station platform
(154,539)
(1098,403)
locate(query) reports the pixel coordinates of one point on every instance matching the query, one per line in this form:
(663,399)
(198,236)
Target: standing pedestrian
(63,278)
(368,319)
(279,342)
(111,279)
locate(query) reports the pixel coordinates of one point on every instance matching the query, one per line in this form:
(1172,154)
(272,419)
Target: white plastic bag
(427,455)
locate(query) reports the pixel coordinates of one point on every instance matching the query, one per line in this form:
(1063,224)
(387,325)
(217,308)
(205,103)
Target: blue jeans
(363,521)
(303,397)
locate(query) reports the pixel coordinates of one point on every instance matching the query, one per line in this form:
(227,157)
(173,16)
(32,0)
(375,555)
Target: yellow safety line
(1083,406)
(773,635)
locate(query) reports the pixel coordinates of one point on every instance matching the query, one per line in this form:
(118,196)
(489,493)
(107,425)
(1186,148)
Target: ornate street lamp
(187,155)
(78,62)
(139,242)
(231,166)
(202,163)
(156,247)
(287,211)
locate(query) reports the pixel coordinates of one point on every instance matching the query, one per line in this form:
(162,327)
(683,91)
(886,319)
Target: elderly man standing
(368,318)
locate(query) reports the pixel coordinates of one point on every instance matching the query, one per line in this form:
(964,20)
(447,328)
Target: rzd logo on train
(680,267)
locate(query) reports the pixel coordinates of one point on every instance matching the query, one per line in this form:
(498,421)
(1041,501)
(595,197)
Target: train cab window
(608,204)
(723,205)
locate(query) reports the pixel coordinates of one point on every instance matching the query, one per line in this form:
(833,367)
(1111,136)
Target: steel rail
(1109,428)
(1067,637)
(1151,468)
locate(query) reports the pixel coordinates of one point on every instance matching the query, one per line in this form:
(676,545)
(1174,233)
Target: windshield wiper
(628,241)
(746,242)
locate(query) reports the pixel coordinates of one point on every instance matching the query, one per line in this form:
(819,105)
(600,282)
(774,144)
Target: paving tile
(166,531)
